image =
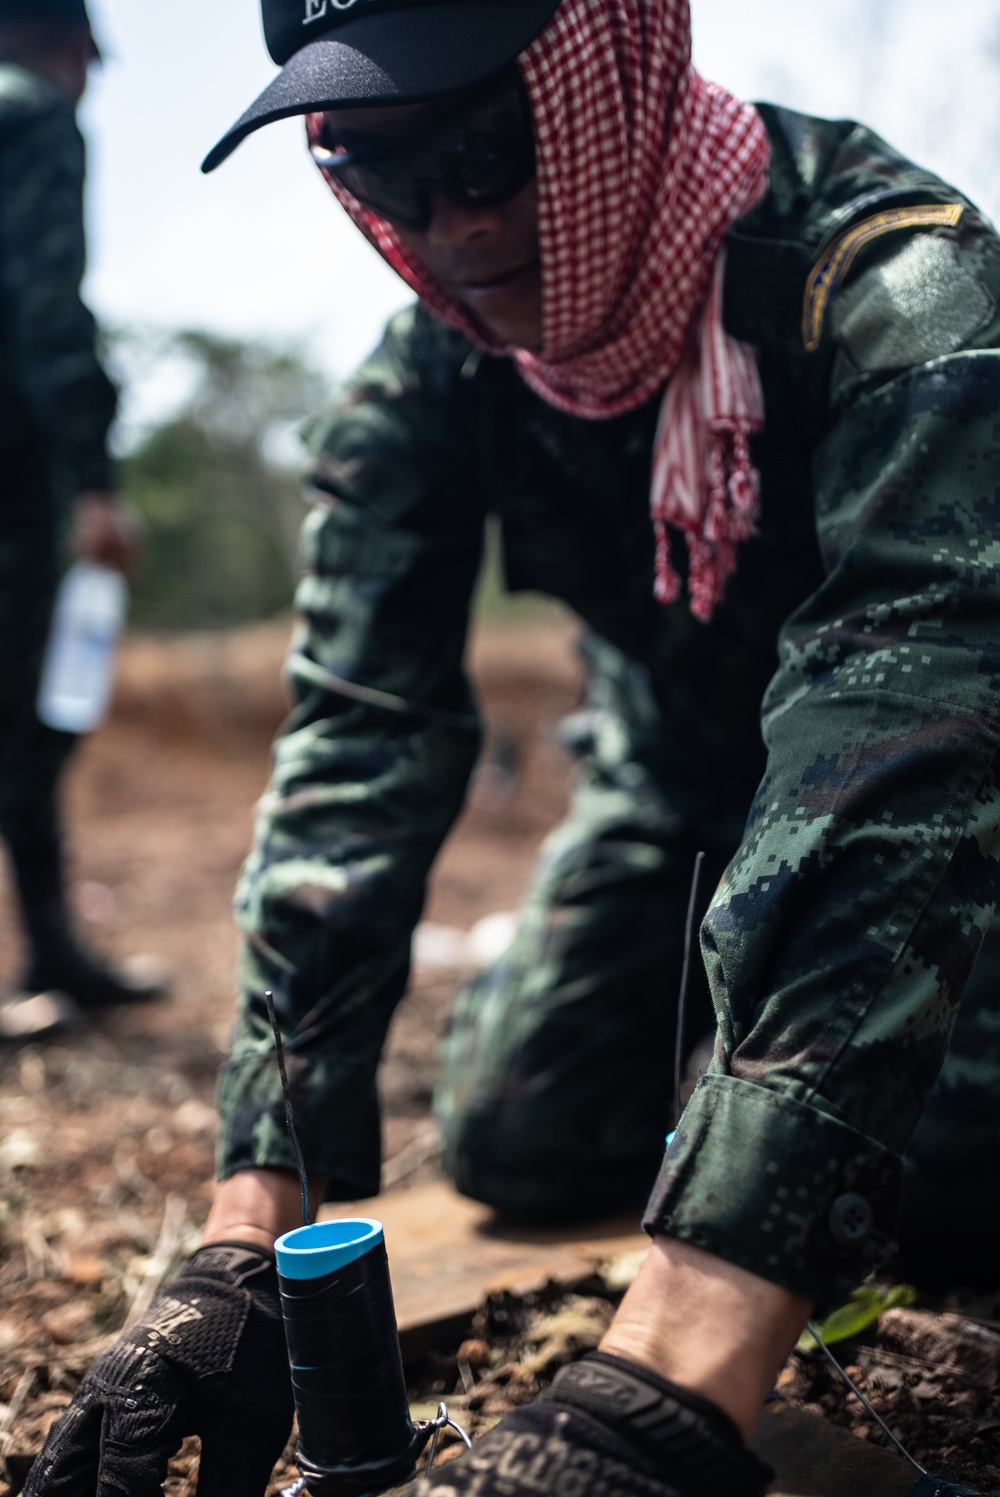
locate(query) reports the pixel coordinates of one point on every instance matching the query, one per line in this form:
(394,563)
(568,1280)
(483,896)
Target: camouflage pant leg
(951,1192)
(557,1068)
(31,755)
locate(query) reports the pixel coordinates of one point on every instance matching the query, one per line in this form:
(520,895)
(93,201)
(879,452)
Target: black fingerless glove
(209,1359)
(607,1428)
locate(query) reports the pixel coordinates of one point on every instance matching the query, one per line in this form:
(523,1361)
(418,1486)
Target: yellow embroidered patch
(827,274)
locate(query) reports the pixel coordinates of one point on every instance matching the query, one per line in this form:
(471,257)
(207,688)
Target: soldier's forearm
(709,1326)
(257,1206)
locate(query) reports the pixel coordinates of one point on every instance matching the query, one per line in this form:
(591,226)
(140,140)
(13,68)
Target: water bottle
(78,669)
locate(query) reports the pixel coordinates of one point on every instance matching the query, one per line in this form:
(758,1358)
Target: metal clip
(442,1420)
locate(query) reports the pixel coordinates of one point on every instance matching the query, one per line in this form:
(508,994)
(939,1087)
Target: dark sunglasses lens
(484,171)
(488,154)
(387,190)
(481,154)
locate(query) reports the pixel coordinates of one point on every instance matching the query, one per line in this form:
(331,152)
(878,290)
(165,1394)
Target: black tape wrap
(355,1431)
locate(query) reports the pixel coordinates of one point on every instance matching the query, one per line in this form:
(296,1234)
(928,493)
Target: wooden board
(812,1458)
(446,1254)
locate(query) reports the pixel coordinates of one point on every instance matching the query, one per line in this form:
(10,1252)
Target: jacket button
(851,1220)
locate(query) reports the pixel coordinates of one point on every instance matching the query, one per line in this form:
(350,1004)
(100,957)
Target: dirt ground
(106,1138)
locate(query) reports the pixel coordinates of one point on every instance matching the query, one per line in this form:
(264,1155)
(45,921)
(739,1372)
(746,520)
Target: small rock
(476,1353)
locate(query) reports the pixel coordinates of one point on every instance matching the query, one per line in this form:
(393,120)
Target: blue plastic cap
(311,1252)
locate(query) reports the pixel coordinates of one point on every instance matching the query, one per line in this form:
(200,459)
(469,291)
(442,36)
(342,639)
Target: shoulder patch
(918,305)
(835,264)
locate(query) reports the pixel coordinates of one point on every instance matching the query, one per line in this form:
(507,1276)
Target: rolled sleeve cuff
(336,1125)
(777,1187)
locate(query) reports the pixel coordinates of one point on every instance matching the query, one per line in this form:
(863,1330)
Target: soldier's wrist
(257,1206)
(709,1326)
(244,1233)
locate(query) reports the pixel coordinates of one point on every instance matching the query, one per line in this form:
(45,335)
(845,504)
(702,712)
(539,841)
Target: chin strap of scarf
(642,168)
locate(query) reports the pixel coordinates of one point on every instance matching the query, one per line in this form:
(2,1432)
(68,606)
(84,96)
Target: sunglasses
(479,152)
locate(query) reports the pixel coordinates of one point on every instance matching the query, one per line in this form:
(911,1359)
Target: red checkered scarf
(642,169)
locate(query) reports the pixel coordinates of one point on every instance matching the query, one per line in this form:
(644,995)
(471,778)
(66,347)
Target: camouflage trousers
(557,1086)
(32,756)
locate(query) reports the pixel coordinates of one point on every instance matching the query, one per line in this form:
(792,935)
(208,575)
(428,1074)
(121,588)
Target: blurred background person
(56,477)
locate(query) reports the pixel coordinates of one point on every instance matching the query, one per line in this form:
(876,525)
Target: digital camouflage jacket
(56,402)
(861,634)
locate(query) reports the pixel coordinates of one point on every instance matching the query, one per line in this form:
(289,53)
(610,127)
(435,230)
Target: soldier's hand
(105,530)
(606,1428)
(208,1359)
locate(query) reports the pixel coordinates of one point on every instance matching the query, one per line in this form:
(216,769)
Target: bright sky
(260,247)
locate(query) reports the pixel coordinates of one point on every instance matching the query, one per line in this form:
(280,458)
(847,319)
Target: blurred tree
(216,483)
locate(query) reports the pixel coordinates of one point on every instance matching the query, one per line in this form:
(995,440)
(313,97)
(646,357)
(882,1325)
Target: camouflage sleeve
(369,772)
(842,934)
(48,330)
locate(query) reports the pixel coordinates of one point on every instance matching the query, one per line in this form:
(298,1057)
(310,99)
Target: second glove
(209,1359)
(606,1428)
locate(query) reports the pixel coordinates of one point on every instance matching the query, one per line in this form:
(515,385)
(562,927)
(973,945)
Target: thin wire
(861,1397)
(286,1097)
(683,995)
(442,1420)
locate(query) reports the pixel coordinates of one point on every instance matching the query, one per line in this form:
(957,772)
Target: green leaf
(862,1310)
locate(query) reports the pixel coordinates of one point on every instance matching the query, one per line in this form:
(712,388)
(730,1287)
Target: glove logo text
(170,1315)
(534,1463)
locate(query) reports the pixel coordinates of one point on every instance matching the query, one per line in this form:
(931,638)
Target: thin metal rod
(682,996)
(286,1097)
(862,1399)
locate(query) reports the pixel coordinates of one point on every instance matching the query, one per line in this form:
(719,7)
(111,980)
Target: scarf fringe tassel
(730,518)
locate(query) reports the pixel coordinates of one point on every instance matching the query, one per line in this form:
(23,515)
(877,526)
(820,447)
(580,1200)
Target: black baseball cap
(346,53)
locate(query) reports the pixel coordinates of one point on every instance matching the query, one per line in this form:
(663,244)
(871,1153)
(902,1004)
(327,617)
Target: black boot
(61,964)
(58,960)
